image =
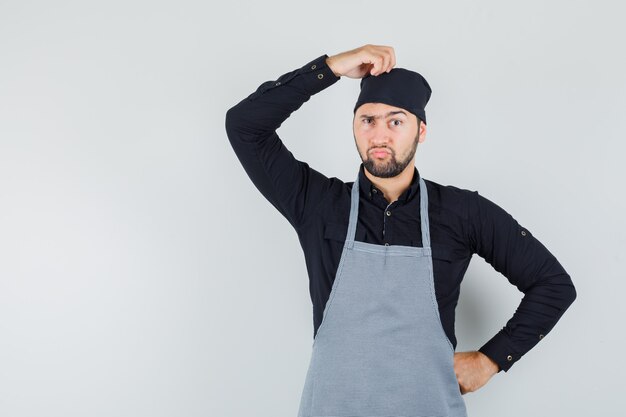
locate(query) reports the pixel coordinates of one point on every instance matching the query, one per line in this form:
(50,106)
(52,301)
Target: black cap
(399,87)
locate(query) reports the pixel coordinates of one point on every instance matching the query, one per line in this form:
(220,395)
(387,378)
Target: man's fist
(374,59)
(473,370)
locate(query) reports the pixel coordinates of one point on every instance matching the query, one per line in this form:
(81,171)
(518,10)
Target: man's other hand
(356,63)
(473,370)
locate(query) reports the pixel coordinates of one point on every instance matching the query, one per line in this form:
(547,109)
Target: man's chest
(391,224)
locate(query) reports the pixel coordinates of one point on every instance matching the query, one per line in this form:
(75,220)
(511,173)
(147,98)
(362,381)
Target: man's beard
(391,167)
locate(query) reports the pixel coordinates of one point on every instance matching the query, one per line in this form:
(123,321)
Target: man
(386,253)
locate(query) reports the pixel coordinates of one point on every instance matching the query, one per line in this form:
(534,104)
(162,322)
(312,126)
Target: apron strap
(354,212)
(424,214)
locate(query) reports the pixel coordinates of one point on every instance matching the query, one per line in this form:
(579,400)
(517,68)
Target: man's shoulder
(449,198)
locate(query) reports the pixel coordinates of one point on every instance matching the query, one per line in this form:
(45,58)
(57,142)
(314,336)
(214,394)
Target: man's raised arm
(288,184)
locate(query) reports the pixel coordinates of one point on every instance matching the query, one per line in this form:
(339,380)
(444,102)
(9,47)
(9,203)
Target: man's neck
(393,188)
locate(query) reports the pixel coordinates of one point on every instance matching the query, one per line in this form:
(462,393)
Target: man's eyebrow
(391,113)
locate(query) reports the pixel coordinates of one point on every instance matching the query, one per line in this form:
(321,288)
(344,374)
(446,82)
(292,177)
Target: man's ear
(422,131)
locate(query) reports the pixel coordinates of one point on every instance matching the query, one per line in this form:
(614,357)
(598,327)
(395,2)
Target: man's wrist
(330,64)
(492,365)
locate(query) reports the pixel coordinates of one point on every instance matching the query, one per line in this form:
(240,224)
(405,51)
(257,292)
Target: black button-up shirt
(462,222)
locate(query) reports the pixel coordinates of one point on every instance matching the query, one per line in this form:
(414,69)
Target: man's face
(386,138)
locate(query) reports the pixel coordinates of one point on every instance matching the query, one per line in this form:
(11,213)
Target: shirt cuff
(500,349)
(318,75)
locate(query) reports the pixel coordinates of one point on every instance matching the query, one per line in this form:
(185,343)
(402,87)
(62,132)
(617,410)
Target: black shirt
(462,222)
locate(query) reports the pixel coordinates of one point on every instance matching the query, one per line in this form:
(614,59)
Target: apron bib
(381,350)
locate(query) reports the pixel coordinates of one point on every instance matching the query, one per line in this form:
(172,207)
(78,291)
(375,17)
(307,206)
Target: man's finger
(386,60)
(376,60)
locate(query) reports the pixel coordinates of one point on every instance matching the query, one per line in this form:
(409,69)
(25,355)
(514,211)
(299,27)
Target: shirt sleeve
(514,252)
(290,185)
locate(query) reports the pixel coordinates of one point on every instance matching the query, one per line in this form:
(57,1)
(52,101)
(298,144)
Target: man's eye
(396,120)
(367,120)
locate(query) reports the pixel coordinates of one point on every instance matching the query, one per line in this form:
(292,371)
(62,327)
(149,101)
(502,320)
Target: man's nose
(380,138)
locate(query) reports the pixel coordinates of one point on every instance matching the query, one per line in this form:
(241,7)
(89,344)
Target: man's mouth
(380,153)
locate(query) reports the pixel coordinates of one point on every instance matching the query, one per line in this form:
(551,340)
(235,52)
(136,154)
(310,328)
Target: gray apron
(381,349)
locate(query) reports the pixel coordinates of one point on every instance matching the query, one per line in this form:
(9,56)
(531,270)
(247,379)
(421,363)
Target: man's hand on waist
(473,370)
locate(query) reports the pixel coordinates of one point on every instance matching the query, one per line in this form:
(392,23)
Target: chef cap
(399,87)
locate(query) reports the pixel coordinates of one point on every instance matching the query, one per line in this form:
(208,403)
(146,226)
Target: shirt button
(509,358)
(523,232)
(313,66)
(374,190)
(388,213)
(278,83)
(540,336)
(386,244)
(320,76)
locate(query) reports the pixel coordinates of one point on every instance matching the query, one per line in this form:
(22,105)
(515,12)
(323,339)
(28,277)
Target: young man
(386,253)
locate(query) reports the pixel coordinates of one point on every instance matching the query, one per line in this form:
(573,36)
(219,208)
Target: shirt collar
(367,188)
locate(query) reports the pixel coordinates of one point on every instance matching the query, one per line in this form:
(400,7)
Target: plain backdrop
(142,273)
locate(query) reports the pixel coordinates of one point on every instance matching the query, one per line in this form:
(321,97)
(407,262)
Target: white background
(142,274)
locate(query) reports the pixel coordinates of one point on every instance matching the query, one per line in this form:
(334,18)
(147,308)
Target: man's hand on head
(356,63)
(473,370)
